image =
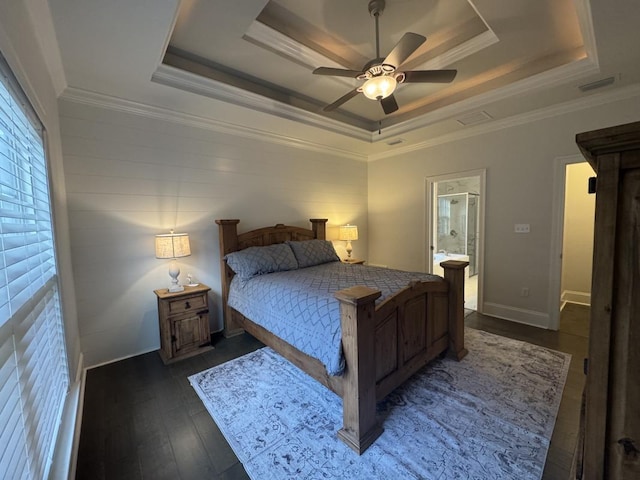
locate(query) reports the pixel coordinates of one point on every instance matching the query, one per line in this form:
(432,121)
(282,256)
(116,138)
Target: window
(34,375)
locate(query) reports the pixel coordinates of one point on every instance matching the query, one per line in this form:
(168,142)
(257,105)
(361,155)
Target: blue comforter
(299,305)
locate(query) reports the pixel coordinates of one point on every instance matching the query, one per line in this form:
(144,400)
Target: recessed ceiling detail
(269,50)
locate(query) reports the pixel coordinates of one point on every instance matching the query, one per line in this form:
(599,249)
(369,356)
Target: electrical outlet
(522,228)
(524,292)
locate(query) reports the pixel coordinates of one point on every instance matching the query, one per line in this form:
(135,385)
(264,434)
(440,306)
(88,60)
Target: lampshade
(348,232)
(380,87)
(172,245)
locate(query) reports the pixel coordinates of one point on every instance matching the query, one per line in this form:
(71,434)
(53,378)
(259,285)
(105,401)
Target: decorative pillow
(254,261)
(313,252)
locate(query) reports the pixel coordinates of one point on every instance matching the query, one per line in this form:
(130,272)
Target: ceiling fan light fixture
(381,76)
(377,88)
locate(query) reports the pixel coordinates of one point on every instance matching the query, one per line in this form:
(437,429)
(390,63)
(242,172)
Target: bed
(384,338)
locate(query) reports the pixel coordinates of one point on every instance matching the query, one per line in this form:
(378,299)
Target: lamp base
(349,249)
(174,271)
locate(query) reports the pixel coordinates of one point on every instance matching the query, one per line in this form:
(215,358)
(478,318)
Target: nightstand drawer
(187,304)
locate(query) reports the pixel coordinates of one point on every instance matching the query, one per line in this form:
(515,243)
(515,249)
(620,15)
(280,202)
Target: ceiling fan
(382,75)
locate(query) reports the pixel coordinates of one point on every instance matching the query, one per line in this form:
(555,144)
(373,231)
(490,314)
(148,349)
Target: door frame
(557,235)
(429,223)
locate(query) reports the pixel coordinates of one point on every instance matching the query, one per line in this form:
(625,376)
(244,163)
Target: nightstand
(184,322)
(353,261)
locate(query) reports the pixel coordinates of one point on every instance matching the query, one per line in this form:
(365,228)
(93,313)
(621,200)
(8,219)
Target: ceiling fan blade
(341,100)
(389,104)
(429,76)
(408,44)
(336,72)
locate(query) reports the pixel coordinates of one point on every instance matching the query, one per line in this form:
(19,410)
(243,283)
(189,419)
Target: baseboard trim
(102,364)
(581,298)
(518,315)
(76,436)
(65,456)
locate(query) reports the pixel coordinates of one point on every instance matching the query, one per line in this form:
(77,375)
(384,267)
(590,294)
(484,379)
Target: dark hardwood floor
(142,419)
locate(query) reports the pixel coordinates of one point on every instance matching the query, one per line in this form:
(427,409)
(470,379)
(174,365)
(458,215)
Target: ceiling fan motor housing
(376,7)
(375,68)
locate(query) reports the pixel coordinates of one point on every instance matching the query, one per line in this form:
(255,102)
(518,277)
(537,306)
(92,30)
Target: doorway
(455,227)
(572,249)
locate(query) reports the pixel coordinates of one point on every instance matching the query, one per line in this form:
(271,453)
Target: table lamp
(173,245)
(348,233)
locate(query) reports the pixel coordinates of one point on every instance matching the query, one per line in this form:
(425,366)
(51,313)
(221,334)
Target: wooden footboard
(387,344)
(383,345)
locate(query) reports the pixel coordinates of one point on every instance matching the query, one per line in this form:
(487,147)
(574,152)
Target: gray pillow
(313,252)
(254,261)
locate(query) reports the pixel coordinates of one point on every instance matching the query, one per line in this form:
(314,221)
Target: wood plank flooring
(142,419)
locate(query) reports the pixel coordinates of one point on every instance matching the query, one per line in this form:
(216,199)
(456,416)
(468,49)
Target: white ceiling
(242,63)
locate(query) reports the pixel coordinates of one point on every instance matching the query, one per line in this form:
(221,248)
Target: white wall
(24,54)
(577,241)
(520,168)
(130,177)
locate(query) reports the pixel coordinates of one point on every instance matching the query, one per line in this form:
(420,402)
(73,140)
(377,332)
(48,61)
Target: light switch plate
(522,228)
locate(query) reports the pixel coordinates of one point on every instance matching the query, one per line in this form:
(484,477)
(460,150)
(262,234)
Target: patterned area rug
(489,416)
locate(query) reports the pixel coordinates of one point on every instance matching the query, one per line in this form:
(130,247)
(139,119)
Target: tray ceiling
(270,49)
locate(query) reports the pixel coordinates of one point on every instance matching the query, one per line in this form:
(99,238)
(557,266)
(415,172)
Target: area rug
(489,416)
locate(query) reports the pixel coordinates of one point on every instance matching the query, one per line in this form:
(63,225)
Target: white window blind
(34,378)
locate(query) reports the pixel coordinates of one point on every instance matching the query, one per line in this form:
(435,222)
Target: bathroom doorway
(455,206)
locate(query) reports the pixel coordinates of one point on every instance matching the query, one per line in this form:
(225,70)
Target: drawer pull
(187,305)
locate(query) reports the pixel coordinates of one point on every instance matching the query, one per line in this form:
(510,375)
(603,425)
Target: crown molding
(556,76)
(294,51)
(266,37)
(198,84)
(94,99)
(43,28)
(585,20)
(547,79)
(8,51)
(201,85)
(462,51)
(593,100)
(270,39)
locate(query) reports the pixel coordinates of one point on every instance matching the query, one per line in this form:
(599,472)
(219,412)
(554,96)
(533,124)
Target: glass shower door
(472,232)
(452,224)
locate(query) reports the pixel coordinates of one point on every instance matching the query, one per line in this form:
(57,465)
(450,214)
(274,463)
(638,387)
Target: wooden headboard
(231,241)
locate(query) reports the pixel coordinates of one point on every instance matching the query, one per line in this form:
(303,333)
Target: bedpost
(454,275)
(357,317)
(228,237)
(319,227)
